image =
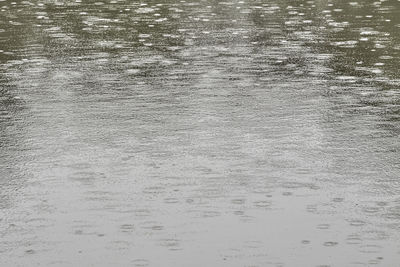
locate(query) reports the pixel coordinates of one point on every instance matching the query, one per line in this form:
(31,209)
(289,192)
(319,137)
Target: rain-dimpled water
(200,133)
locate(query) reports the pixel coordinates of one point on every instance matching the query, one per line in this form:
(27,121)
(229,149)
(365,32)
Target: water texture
(200,133)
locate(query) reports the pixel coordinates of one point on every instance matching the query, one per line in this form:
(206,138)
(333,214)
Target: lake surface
(200,133)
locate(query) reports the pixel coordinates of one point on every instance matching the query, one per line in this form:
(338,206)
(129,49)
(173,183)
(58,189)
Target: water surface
(199,133)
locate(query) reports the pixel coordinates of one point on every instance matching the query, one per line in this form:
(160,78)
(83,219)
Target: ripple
(238,201)
(262,204)
(30,251)
(371,209)
(354,240)
(338,199)
(127,228)
(357,223)
(152,225)
(171,200)
(323,226)
(170,243)
(330,244)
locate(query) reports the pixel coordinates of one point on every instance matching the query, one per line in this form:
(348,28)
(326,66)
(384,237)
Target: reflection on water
(199,133)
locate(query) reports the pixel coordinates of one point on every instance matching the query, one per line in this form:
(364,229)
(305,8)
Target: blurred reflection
(139,133)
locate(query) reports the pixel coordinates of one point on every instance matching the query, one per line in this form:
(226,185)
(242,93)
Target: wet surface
(199,133)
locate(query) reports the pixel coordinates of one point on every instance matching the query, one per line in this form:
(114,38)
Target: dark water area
(200,133)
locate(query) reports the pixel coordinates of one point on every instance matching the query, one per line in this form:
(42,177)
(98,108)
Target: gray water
(200,133)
